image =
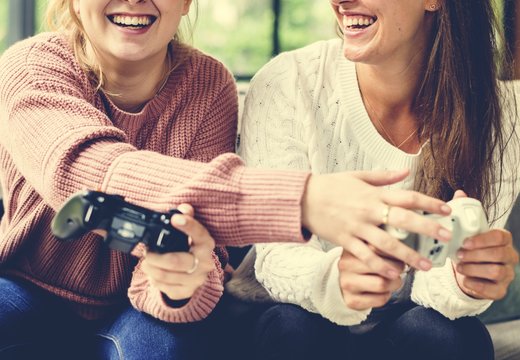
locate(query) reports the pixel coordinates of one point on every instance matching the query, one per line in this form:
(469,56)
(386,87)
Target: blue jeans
(288,332)
(37,325)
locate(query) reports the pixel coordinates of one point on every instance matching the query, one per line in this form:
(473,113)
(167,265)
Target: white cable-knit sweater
(304,110)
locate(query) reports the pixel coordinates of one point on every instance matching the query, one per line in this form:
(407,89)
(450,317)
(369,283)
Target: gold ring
(194,266)
(386,212)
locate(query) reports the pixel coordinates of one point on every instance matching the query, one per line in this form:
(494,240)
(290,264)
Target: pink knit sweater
(58,135)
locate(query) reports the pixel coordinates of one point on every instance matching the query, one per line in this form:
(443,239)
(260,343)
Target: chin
(353,55)
(126,56)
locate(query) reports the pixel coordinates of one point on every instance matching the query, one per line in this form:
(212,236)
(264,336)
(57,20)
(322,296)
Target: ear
(186,7)
(432,5)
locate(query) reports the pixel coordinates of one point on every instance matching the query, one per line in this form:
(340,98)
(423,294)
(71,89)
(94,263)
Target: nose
(133,2)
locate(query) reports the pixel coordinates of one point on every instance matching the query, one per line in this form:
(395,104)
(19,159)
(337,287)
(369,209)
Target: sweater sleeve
(61,144)
(145,297)
(273,135)
(216,135)
(506,184)
(438,289)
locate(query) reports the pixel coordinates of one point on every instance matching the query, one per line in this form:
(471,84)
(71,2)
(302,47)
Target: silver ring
(194,266)
(386,212)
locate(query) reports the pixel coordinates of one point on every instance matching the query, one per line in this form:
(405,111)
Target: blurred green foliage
(239,32)
(3,25)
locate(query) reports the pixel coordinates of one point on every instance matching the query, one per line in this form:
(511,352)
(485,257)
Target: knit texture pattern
(60,135)
(304,110)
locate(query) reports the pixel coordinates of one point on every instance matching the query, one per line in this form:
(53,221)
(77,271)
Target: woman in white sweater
(411,85)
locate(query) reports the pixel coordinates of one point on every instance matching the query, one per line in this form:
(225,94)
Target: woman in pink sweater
(110,102)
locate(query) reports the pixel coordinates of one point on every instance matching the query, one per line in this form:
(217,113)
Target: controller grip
(69,222)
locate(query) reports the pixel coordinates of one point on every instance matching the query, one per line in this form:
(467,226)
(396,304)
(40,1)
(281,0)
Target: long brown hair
(460,104)
(61,17)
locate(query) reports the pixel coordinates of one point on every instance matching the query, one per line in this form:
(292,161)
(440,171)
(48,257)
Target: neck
(130,85)
(389,100)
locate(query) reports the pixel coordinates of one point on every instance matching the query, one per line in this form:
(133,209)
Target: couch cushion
(505,337)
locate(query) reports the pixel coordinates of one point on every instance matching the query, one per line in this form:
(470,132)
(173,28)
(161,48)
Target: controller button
(126,231)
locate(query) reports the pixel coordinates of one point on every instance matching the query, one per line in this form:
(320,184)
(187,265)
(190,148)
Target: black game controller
(125,224)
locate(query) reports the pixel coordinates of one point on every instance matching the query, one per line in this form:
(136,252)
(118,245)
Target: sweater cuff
(438,289)
(271,200)
(144,297)
(327,295)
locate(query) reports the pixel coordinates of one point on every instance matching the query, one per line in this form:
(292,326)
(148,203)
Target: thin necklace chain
(386,132)
(167,73)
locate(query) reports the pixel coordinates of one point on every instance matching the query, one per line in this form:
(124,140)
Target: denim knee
(426,334)
(287,332)
(135,335)
(23,325)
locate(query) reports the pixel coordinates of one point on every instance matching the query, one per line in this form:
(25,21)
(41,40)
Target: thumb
(186,209)
(380,178)
(459,194)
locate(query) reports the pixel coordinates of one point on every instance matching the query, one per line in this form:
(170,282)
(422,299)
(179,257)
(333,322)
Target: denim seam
(116,343)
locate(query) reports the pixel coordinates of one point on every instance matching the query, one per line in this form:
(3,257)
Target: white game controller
(467,218)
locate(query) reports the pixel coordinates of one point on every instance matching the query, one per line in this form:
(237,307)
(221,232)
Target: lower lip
(357,32)
(130,31)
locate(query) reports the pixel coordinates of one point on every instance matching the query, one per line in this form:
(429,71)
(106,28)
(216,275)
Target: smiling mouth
(132,22)
(358,22)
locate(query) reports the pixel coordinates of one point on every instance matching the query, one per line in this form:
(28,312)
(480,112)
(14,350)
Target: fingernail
(392,274)
(446,209)
(460,254)
(425,265)
(179,220)
(444,234)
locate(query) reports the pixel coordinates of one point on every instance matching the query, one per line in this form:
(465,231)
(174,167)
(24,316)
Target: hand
(171,272)
(487,263)
(361,288)
(347,209)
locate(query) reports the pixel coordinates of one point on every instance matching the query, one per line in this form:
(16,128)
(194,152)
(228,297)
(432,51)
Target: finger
(381,240)
(491,238)
(375,263)
(186,209)
(194,229)
(366,301)
(381,178)
(497,254)
(414,200)
(485,289)
(175,261)
(459,194)
(350,263)
(358,284)
(413,222)
(492,272)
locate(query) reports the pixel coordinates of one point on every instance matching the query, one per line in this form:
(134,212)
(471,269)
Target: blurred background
(243,34)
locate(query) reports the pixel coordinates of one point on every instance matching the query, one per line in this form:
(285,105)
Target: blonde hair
(61,17)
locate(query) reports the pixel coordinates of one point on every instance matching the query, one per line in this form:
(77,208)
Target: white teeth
(132,20)
(349,21)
